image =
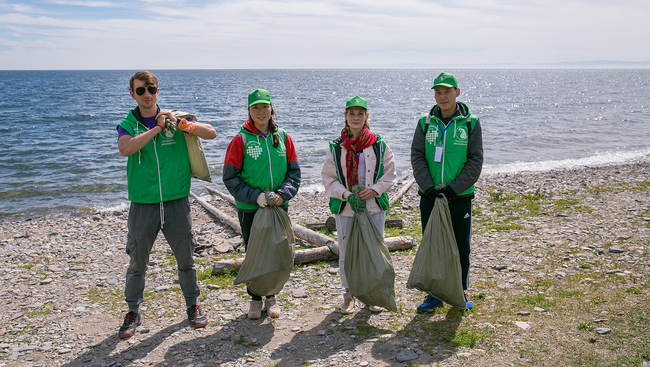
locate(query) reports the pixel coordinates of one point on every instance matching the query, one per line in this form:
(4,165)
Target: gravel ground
(62,279)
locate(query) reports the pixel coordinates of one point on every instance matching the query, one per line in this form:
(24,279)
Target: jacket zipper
(268,151)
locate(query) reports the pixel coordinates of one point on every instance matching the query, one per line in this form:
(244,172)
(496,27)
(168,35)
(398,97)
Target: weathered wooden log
(316,226)
(405,187)
(330,224)
(400,243)
(220,194)
(310,255)
(225,218)
(316,238)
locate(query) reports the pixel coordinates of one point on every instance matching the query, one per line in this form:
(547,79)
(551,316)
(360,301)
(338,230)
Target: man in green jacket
(447,159)
(158,176)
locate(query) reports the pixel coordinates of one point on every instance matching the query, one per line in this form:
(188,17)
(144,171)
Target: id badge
(438,156)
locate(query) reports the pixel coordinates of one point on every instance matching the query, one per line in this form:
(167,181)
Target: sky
(268,34)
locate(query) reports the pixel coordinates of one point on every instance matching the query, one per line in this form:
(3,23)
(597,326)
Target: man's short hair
(146,77)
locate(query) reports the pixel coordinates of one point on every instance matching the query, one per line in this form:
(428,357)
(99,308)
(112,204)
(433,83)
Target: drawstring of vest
(162,215)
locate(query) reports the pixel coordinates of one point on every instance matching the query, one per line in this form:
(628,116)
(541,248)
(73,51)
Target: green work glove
(356,203)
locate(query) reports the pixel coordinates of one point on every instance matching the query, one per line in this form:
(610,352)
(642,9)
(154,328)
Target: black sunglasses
(140,90)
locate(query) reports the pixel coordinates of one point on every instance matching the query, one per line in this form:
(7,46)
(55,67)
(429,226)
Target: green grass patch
(538,300)
(223,280)
(464,338)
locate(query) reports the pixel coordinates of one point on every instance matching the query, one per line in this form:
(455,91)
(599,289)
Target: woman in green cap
(260,157)
(358,157)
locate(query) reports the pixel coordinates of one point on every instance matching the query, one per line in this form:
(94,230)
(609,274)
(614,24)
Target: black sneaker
(196,317)
(131,322)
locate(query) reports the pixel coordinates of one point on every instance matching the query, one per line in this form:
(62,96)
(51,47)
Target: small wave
(111,208)
(600,159)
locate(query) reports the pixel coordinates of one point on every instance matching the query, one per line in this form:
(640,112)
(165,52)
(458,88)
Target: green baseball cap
(259,96)
(446,80)
(356,101)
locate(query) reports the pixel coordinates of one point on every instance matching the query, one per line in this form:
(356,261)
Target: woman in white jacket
(358,157)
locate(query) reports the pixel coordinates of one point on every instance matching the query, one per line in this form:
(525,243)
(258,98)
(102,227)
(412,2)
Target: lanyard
(261,132)
(442,135)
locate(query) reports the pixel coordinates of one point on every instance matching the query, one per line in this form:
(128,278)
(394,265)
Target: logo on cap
(442,77)
(259,95)
(356,100)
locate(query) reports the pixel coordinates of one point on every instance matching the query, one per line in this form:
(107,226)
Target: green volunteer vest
(454,140)
(160,171)
(263,167)
(379,147)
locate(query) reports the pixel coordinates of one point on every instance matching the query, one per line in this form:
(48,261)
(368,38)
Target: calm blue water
(59,147)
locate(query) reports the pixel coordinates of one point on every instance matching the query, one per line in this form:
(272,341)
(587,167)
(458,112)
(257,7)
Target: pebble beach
(62,280)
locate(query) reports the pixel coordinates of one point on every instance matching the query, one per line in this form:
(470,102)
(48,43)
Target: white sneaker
(272,308)
(347,307)
(375,309)
(255,310)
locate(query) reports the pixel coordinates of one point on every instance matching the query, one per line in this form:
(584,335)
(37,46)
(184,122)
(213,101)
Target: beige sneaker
(347,307)
(375,309)
(255,310)
(272,308)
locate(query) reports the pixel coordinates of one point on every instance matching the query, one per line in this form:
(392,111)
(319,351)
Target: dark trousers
(144,224)
(246,223)
(461,221)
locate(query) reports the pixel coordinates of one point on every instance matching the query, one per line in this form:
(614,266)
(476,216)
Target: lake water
(59,143)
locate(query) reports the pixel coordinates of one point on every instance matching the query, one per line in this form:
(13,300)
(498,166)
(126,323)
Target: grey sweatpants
(343,228)
(144,225)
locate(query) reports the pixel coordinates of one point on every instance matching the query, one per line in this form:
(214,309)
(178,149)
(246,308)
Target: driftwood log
(301,232)
(330,224)
(402,190)
(314,254)
(225,218)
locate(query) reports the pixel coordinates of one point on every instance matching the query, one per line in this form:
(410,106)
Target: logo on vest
(432,135)
(167,137)
(254,150)
(461,133)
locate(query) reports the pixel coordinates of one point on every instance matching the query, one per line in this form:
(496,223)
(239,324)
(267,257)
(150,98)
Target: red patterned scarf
(363,141)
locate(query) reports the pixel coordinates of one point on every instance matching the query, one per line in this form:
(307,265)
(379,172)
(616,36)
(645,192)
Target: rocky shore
(560,265)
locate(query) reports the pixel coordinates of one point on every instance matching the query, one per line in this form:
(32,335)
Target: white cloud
(321,34)
(92,4)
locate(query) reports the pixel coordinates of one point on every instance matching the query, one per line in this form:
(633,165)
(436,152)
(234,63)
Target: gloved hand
(432,194)
(448,192)
(261,200)
(357,205)
(185,125)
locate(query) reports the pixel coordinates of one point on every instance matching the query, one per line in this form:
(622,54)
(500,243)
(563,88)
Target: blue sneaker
(468,303)
(430,304)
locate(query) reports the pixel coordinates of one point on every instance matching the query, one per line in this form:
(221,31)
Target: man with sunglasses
(158,177)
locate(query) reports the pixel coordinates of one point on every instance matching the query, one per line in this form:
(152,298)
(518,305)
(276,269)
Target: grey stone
(163,288)
(615,250)
(224,247)
(112,281)
(299,293)
(603,330)
(227,297)
(406,356)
